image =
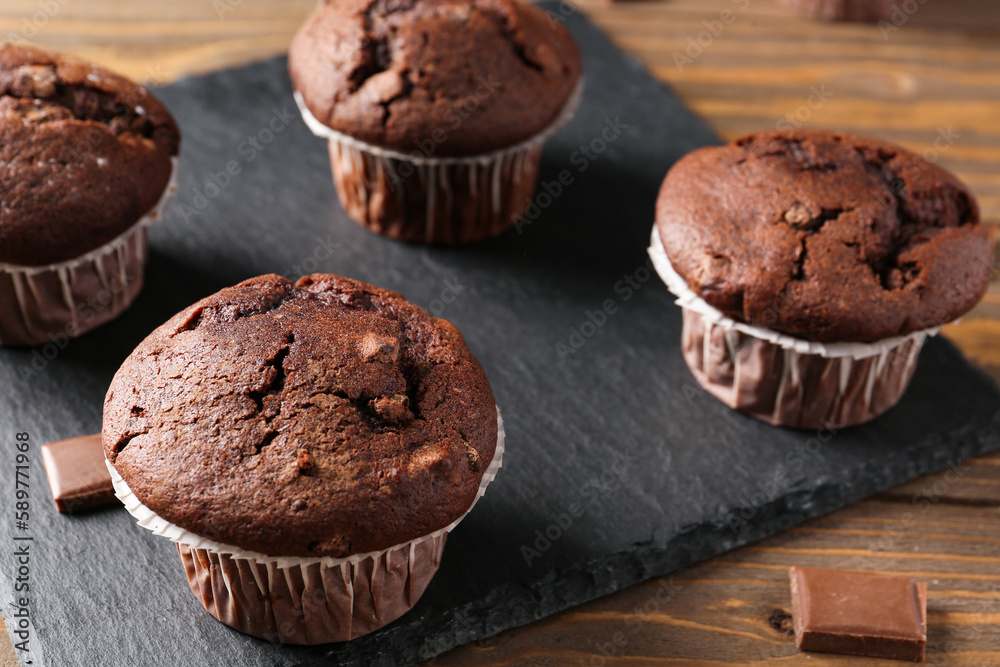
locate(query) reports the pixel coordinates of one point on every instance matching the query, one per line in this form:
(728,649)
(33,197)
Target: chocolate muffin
(827,238)
(321,424)
(436,110)
(843,10)
(85,155)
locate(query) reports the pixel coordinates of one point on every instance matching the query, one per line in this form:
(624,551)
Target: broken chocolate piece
(77,474)
(859,613)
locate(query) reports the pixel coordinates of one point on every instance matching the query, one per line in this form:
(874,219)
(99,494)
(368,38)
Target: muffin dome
(824,236)
(79,143)
(470,77)
(322,418)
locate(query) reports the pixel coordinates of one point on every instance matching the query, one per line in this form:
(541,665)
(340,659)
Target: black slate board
(658,469)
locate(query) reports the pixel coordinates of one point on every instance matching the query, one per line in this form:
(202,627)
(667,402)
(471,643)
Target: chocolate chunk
(860,613)
(393,409)
(77,475)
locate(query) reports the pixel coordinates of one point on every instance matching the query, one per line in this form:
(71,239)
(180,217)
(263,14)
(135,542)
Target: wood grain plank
(936,77)
(979,340)
(735,609)
(7,656)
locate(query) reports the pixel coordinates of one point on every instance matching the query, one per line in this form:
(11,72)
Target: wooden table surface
(930,81)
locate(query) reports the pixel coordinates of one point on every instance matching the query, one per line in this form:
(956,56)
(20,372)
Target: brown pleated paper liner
(783,380)
(786,388)
(431,200)
(312,603)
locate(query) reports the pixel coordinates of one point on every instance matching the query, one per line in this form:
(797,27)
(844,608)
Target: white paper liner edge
(321,130)
(151,216)
(688,298)
(150,520)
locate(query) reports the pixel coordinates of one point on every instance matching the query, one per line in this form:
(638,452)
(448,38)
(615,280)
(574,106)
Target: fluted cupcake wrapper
(783,380)
(299,600)
(435,200)
(56,302)
(311,603)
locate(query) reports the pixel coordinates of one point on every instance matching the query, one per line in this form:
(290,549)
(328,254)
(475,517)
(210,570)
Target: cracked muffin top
(84,153)
(322,418)
(443,77)
(824,236)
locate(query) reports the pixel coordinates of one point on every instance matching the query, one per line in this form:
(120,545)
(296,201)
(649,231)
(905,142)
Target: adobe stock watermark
(154,76)
(590,495)
(593,320)
(223,7)
(901,14)
(248,150)
(818,96)
(449,294)
(894,531)
(563,11)
(398,170)
(548,191)
(614,644)
(324,249)
(86,311)
(33,24)
(714,28)
(944,138)
(795,459)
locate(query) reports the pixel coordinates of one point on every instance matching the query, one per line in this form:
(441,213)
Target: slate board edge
(523,605)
